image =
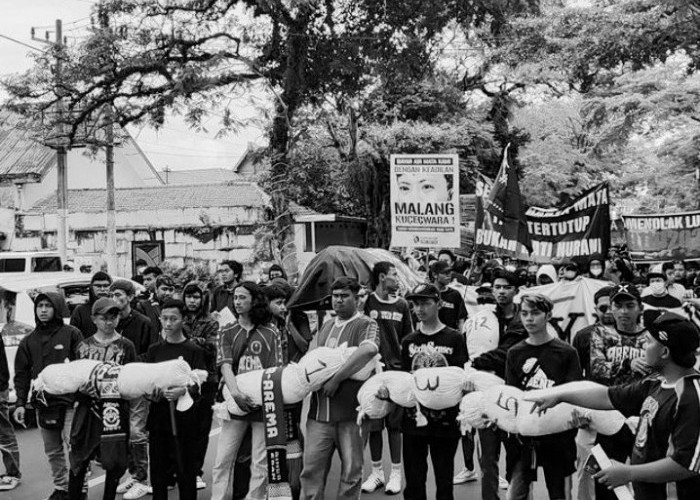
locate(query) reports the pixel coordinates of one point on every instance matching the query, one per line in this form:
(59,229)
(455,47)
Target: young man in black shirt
(453,312)
(82,314)
(667,443)
(433,344)
(539,362)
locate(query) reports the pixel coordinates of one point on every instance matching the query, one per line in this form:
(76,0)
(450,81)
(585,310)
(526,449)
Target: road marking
(101,479)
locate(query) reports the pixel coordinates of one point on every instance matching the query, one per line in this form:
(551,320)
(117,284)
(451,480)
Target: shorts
(392,422)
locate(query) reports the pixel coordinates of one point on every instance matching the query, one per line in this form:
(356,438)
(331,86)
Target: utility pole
(61,150)
(111,247)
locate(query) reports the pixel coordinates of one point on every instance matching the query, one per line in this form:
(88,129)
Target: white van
(30,262)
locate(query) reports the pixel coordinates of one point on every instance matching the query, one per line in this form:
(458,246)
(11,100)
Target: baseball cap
(125,285)
(625,291)
(440,266)
(104,305)
(680,336)
(424,291)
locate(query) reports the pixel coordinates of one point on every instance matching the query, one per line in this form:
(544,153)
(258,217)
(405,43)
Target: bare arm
(584,393)
(358,359)
(660,471)
(243,401)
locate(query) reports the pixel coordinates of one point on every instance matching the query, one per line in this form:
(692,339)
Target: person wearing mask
(676,290)
(230,273)
(617,357)
(541,361)
(569,271)
(99,404)
(596,267)
(82,314)
(137,328)
(247,345)
(453,311)
(657,299)
(511,331)
(546,274)
(151,307)
(393,315)
(49,343)
(331,423)
(667,439)
(203,330)
(432,344)
(8,441)
(166,442)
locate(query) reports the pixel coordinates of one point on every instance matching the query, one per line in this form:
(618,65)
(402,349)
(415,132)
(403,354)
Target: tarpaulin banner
(425,201)
(576,231)
(657,237)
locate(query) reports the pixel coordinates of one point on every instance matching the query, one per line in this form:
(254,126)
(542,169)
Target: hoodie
(549,270)
(49,343)
(82,315)
(202,328)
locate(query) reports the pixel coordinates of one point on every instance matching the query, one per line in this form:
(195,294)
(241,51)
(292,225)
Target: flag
(506,204)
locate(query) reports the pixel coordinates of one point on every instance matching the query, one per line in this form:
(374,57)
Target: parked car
(17,293)
(30,262)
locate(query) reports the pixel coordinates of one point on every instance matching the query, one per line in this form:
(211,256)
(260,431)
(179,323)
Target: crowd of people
(639,358)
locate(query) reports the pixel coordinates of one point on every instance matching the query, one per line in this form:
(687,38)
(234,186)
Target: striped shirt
(247,351)
(356,331)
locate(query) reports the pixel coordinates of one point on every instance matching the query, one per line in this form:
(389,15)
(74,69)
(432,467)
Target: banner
(574,232)
(425,201)
(657,237)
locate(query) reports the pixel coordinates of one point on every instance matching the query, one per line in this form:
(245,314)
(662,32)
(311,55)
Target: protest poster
(663,237)
(574,232)
(425,201)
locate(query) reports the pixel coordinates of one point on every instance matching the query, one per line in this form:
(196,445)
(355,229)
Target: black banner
(573,232)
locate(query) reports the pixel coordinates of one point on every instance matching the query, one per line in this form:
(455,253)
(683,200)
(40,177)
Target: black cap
(680,336)
(625,291)
(424,291)
(104,305)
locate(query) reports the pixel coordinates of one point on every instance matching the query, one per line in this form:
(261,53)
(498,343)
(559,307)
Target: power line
(20,42)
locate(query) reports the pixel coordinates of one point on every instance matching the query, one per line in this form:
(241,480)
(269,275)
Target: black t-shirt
(394,319)
(446,347)
(452,308)
(660,424)
(582,344)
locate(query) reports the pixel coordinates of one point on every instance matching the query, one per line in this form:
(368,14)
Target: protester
(546,274)
(458,279)
(151,307)
(203,330)
(596,267)
(249,344)
(97,405)
(676,290)
(393,316)
(230,273)
(668,434)
(137,328)
(657,299)
(433,344)
(49,343)
(617,357)
(539,362)
(82,314)
(140,266)
(511,331)
(173,433)
(569,271)
(276,271)
(150,274)
(8,441)
(453,312)
(331,423)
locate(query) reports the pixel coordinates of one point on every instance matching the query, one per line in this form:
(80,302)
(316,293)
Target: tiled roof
(20,155)
(202,176)
(231,194)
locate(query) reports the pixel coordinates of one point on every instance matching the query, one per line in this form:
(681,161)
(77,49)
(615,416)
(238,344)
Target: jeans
(163,451)
(56,442)
(490,441)
(585,440)
(8,440)
(322,439)
(415,459)
(468,450)
(232,434)
(138,439)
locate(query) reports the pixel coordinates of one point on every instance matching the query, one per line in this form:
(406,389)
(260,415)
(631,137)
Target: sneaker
(393,486)
(149,488)
(200,483)
(58,495)
(465,476)
(126,485)
(373,482)
(502,483)
(8,482)
(138,490)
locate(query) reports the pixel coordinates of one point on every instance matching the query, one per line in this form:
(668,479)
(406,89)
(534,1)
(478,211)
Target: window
(46,264)
(12,265)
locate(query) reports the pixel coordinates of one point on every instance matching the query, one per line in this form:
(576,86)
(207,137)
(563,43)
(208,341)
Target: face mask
(657,288)
(596,271)
(569,275)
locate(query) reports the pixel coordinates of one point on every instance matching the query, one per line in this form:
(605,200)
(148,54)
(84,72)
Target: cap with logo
(625,291)
(680,336)
(104,305)
(424,291)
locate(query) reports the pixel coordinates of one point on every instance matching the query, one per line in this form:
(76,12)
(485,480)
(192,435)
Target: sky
(175,145)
